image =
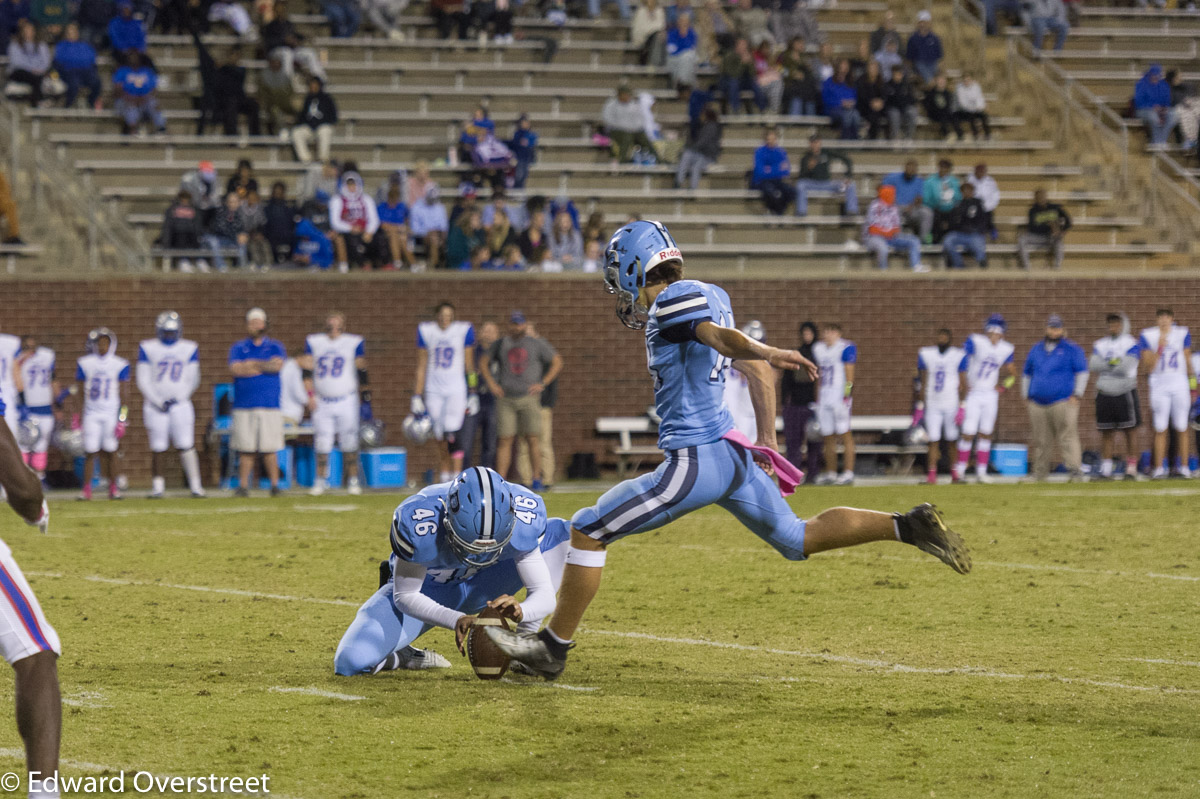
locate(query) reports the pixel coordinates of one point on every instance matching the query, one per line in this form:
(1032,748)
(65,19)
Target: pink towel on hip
(789,476)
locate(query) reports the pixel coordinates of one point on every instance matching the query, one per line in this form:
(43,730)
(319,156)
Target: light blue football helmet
(169,327)
(634,250)
(479,516)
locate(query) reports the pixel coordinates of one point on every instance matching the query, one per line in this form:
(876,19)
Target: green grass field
(199,638)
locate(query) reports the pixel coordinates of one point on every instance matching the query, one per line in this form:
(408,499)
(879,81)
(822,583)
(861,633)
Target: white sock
(550,633)
(191,467)
(157,485)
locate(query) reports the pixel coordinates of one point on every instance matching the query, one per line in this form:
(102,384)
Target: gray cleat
(927,531)
(530,651)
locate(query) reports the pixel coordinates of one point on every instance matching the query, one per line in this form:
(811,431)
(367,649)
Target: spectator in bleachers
(137,97)
(559,204)
(225,232)
(430,225)
(673,10)
(840,101)
(276,95)
(28,61)
(181,230)
(858,63)
(988,193)
(566,243)
(8,210)
(768,77)
(824,64)
(910,188)
(472,131)
(716,31)
(450,15)
(500,207)
(991,12)
(343,17)
(886,32)
(900,105)
(939,108)
(311,247)
(494,18)
(493,161)
(254,224)
(771,174)
(466,236)
(968,229)
(93,17)
(500,232)
(50,16)
(797,23)
(624,123)
(12,12)
(942,194)
(971,107)
(801,91)
(533,236)
(682,56)
(1187,106)
(1152,102)
(126,33)
(318,115)
(882,232)
(702,150)
(355,222)
(752,22)
(384,16)
(75,61)
(393,225)
(318,184)
(1048,15)
(280,38)
(924,50)
(872,105)
(466,202)
(889,57)
(647,33)
(595,229)
(816,175)
(419,182)
(1048,224)
(229,91)
(737,75)
(622,8)
(242,181)
(281,223)
(201,185)
(524,146)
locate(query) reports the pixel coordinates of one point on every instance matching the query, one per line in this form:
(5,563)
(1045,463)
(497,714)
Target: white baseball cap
(256,313)
(924,16)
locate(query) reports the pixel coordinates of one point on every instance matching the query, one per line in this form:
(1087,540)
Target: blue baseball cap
(517,318)
(1054,321)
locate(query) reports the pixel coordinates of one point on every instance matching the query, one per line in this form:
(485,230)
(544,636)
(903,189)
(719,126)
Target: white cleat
(844,479)
(354,487)
(826,478)
(414,659)
(1159,474)
(42,523)
(318,487)
(984,478)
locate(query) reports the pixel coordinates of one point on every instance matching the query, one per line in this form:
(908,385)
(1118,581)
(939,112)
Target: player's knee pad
(588,558)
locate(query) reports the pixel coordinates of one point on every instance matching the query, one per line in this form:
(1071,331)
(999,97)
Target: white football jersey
(37,375)
(984,360)
(9,346)
(832,360)
(174,368)
(1172,369)
(293,397)
(941,374)
(1111,347)
(445,369)
(101,376)
(737,400)
(334,374)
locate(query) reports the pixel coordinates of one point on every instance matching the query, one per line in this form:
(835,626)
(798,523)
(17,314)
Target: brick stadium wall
(604,363)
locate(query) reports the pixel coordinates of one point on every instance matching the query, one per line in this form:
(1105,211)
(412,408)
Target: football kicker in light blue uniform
(419,536)
(701,467)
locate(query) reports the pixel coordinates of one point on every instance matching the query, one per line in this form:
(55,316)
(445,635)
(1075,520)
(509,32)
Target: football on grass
(486,658)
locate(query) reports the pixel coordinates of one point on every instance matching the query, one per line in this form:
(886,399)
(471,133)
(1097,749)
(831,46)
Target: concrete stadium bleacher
(403,101)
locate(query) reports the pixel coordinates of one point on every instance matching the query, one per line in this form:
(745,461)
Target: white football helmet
(755,330)
(27,434)
(69,442)
(371,434)
(916,435)
(418,429)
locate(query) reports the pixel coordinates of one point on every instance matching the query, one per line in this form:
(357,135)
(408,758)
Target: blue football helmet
(479,516)
(634,250)
(169,327)
(995,321)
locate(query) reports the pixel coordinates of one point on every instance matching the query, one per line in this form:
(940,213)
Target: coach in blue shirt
(1055,377)
(257,421)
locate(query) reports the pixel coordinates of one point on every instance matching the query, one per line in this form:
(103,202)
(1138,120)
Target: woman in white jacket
(968,96)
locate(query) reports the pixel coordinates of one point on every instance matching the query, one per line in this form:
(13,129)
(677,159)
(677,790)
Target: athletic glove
(1007,383)
(167,404)
(417,406)
(472,404)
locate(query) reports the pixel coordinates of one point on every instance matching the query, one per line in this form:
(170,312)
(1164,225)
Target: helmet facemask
(631,313)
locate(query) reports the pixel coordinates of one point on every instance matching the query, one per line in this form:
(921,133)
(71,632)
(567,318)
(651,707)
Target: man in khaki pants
(1055,377)
(523,366)
(548,399)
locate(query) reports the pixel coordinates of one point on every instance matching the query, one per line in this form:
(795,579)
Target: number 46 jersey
(417,535)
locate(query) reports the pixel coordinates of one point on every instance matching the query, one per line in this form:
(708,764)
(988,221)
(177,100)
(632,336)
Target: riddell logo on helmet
(670,254)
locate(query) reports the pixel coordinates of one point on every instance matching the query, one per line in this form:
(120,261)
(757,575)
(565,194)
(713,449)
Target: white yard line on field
(93,578)
(884,665)
(278,689)
(1164,662)
(1043,567)
(563,686)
